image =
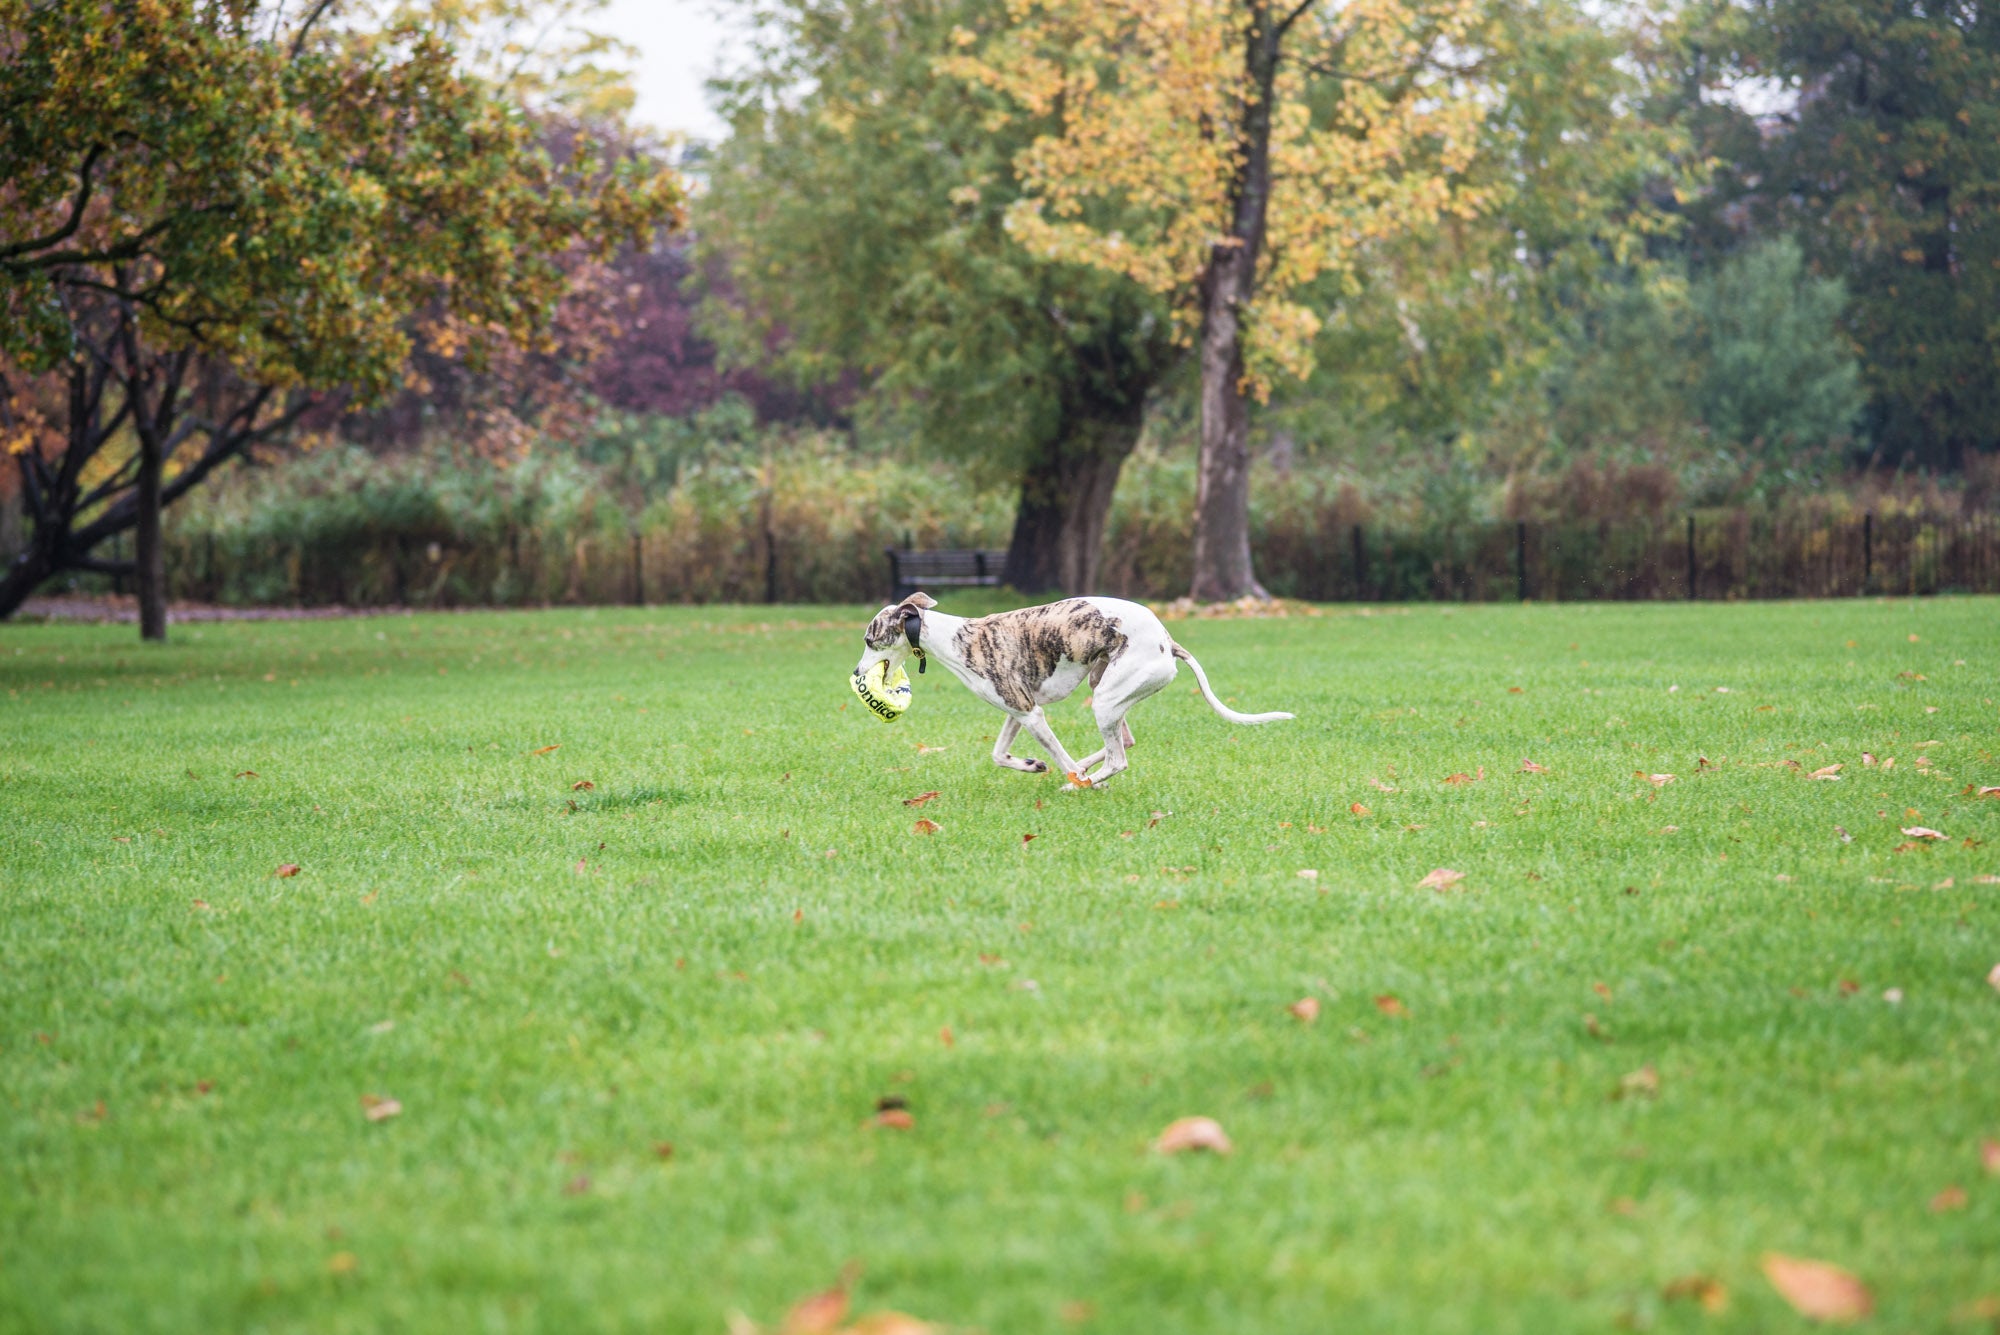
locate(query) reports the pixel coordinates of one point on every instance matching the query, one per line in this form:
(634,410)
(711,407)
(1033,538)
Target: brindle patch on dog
(1018,651)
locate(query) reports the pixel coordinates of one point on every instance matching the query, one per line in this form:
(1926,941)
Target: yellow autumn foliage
(1150,106)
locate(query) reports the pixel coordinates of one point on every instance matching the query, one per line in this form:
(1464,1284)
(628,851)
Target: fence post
(1867,551)
(1690,544)
(1360,566)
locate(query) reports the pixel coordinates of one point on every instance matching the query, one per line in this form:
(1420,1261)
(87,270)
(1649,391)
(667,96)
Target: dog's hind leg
(1001,746)
(1125,730)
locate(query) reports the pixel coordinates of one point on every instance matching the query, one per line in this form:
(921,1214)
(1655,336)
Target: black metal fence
(1734,554)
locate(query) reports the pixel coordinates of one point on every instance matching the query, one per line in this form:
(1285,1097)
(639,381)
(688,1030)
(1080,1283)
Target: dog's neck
(937,636)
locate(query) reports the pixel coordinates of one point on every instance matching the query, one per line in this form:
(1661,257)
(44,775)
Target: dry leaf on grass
(1358,810)
(1924,832)
(1643,1083)
(1657,780)
(583,786)
(919,799)
(1818,1291)
(1985,791)
(1830,772)
(544,750)
(1993,978)
(895,1119)
(1026,838)
(1951,1198)
(1389,1004)
(1193,1133)
(1381,787)
(1530,767)
(378,1109)
(1441,878)
(819,1314)
(1989,1157)
(1305,1008)
(1709,1292)
(1466,778)
(1308,873)
(287,869)
(925,825)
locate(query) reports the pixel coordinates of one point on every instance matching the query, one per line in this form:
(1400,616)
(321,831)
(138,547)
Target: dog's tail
(1216,704)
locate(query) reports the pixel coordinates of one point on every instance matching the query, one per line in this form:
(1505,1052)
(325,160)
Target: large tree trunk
(25,573)
(1066,496)
(151,563)
(1222,569)
(1222,494)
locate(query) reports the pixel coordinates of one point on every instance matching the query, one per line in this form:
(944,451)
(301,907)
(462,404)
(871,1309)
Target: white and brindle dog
(1021,661)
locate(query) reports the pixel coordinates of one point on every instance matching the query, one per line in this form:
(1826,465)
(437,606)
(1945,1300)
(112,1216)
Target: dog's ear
(919,600)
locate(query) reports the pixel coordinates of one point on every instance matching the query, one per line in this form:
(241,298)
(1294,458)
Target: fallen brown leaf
(378,1109)
(583,786)
(246,774)
(286,869)
(341,1263)
(1989,1157)
(925,825)
(1025,839)
(1530,767)
(1305,1008)
(1358,810)
(919,799)
(1391,1005)
(578,1185)
(1710,1293)
(993,961)
(1462,778)
(1924,832)
(895,1119)
(817,1314)
(1657,780)
(1993,791)
(1818,1291)
(1193,1133)
(1381,787)
(1951,1198)
(1993,977)
(1643,1083)
(1308,873)
(1830,772)
(544,750)
(1441,878)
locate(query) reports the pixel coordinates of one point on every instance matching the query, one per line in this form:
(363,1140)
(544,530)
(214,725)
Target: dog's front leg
(1008,732)
(1037,724)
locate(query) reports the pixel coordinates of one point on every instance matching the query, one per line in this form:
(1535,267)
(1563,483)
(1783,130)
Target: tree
(1880,153)
(216,216)
(860,205)
(1255,147)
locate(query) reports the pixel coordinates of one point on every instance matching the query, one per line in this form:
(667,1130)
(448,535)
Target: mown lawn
(730,941)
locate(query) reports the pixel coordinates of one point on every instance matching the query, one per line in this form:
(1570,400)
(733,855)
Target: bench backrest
(958,566)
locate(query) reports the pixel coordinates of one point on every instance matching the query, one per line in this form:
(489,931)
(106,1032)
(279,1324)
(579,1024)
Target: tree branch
(84,186)
(306,26)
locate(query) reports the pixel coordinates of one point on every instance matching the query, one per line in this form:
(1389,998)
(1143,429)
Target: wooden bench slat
(910,570)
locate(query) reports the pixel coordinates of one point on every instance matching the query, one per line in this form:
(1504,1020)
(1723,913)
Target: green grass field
(730,940)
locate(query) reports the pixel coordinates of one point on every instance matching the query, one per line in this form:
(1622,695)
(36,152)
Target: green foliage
(859,204)
(282,199)
(1777,375)
(557,983)
(1884,165)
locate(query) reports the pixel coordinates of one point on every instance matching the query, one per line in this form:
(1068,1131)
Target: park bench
(910,571)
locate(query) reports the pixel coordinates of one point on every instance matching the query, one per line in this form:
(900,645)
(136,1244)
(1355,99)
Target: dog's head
(886,636)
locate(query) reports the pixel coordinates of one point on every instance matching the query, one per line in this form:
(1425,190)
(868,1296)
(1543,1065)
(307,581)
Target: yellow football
(886,696)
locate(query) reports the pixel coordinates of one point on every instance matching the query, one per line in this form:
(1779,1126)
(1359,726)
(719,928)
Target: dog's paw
(1038,767)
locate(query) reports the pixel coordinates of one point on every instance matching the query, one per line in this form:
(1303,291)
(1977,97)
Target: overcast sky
(679,43)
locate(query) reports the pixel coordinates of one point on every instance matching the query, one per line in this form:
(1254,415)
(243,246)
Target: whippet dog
(1020,661)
